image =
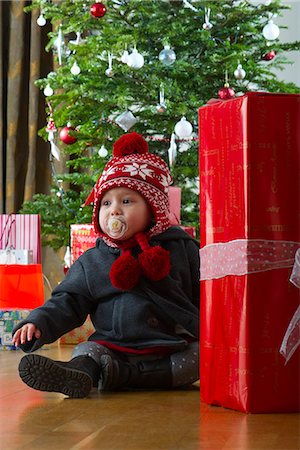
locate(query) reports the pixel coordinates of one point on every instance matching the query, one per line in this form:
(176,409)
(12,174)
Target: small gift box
(8,320)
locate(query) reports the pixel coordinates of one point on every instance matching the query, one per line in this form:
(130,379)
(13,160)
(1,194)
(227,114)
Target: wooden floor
(129,420)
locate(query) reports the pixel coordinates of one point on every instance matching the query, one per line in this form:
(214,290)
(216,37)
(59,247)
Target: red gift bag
(21,286)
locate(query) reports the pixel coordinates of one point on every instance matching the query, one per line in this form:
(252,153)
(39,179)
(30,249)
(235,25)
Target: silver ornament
(167,56)
(239,72)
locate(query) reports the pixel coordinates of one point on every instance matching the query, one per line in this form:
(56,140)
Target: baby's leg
(177,370)
(93,350)
(185,365)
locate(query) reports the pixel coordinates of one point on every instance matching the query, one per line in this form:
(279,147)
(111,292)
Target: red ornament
(65,135)
(226,92)
(66,269)
(269,56)
(98,9)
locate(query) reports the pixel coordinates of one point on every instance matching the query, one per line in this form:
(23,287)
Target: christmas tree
(145,66)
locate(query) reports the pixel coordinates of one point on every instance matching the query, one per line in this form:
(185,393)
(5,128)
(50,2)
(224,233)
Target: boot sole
(44,374)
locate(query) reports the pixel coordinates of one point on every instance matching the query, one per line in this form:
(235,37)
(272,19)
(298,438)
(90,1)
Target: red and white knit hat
(133,167)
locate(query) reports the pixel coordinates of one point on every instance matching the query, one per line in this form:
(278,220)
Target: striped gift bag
(21,231)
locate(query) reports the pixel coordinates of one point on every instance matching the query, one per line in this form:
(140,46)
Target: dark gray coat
(144,317)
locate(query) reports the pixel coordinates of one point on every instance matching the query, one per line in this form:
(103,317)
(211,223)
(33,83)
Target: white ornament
(239,72)
(41,21)
(55,152)
(58,44)
(109,71)
(161,107)
(183,128)
(126,120)
(75,69)
(271,31)
(207,25)
(124,57)
(135,60)
(167,56)
(102,152)
(78,39)
(172,151)
(184,146)
(48,91)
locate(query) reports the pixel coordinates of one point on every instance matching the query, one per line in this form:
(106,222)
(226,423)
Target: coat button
(153,322)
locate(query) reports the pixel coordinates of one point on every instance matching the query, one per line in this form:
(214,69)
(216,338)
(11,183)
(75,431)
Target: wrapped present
(21,286)
(8,320)
(250,231)
(175,204)
(83,237)
(21,232)
(80,334)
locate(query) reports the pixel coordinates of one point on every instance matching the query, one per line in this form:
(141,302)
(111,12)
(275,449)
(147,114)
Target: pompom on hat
(133,167)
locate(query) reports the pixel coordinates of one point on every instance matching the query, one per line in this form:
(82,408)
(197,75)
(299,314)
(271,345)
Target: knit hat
(133,167)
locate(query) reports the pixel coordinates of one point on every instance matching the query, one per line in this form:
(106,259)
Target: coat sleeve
(67,309)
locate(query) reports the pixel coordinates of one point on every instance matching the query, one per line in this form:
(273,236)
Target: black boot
(117,374)
(74,378)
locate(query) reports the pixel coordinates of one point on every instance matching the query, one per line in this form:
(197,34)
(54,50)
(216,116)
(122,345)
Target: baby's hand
(26,333)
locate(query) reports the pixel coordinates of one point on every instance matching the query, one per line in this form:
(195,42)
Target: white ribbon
(245,256)
(291,340)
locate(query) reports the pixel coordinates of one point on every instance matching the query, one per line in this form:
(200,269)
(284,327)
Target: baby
(139,284)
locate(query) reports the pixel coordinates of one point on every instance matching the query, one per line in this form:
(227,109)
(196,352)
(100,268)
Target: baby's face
(123,213)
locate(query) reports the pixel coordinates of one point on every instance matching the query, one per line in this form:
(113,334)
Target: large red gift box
(249,157)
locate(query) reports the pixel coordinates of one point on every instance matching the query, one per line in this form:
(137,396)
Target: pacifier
(117,227)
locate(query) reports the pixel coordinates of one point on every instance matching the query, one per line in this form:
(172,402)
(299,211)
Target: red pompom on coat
(155,263)
(125,272)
